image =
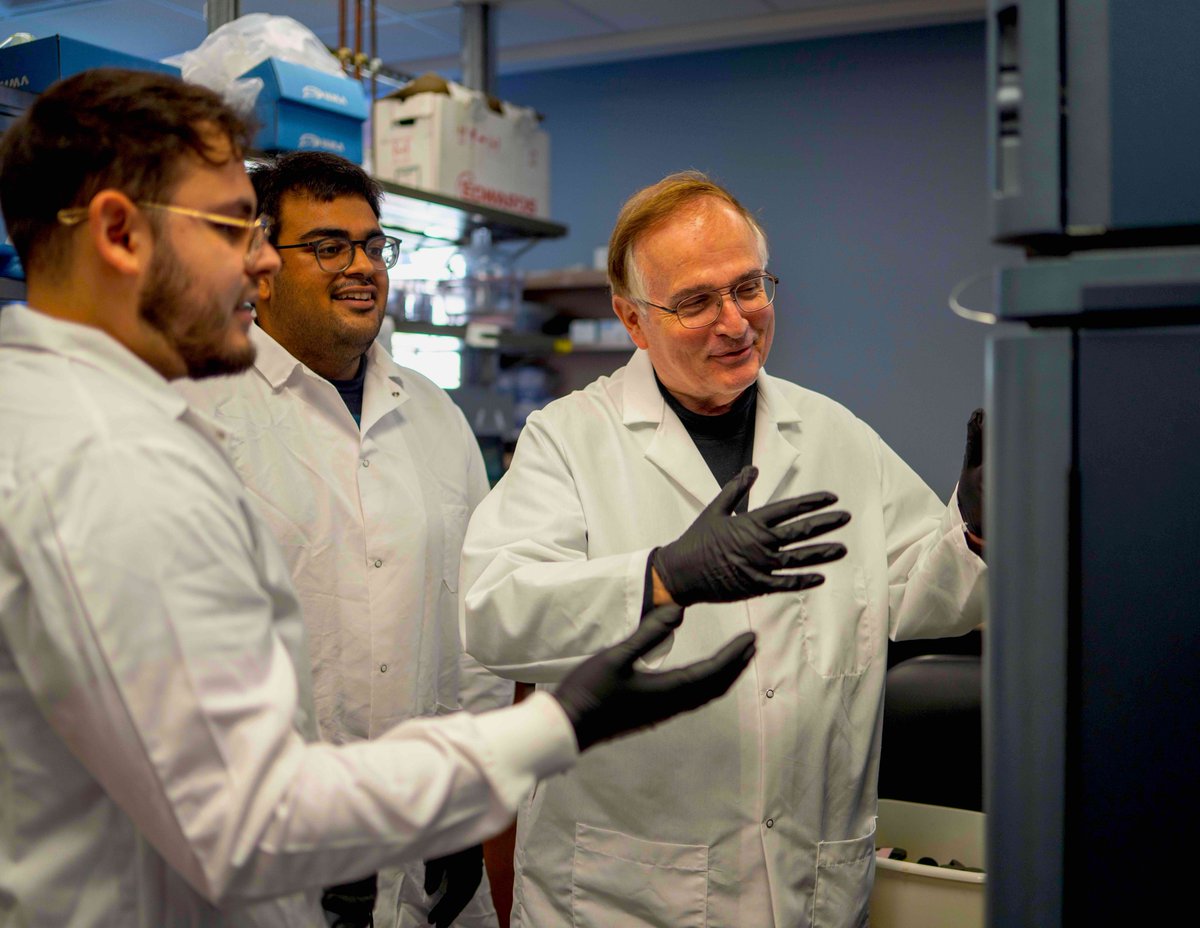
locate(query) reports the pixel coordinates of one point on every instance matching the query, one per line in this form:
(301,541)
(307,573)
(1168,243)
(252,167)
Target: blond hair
(650,208)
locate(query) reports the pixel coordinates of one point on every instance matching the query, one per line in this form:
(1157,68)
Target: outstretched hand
(723,558)
(606,696)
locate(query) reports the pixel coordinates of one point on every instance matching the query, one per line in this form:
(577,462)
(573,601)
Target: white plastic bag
(249,40)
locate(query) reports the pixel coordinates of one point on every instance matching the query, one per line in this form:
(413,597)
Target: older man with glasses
(758,811)
(367,473)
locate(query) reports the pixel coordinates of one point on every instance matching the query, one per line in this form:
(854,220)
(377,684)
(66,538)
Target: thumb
(733,492)
(653,631)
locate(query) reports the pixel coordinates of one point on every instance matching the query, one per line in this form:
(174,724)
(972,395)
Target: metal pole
(478,47)
(219,12)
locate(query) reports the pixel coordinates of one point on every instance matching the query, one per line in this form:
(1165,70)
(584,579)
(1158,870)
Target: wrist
(660,595)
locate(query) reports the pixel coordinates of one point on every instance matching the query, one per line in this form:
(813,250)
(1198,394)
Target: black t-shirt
(352,390)
(725,441)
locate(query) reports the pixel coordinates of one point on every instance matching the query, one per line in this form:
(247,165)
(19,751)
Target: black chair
(933,732)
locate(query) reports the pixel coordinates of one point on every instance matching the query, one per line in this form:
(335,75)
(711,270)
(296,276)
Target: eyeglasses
(702,309)
(336,254)
(259,229)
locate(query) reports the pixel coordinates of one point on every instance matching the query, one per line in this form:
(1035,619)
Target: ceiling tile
(526,22)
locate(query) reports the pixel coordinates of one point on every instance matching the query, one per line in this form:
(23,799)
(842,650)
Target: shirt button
(770,823)
(366,463)
(383,668)
(770,694)
(379,563)
(395,393)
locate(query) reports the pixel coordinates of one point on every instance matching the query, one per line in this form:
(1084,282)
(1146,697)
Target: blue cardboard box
(301,108)
(34,66)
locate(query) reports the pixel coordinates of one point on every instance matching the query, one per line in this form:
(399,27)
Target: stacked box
(455,144)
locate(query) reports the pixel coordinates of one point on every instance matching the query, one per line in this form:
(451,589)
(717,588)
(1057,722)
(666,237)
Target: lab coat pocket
(839,625)
(617,879)
(845,872)
(454,528)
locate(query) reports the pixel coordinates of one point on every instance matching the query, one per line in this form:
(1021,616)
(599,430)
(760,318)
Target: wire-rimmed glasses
(700,309)
(259,229)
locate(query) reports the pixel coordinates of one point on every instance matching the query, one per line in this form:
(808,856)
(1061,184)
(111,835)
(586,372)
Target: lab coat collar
(25,327)
(271,359)
(383,388)
(673,451)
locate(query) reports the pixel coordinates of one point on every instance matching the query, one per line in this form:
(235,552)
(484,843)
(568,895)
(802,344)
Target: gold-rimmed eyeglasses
(258,229)
(702,309)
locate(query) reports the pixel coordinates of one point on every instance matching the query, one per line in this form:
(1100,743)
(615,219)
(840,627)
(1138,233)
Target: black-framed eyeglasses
(336,253)
(700,309)
(257,231)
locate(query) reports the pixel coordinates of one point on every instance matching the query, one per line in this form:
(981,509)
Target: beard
(201,341)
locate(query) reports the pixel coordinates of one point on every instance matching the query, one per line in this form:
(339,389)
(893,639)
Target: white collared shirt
(155,767)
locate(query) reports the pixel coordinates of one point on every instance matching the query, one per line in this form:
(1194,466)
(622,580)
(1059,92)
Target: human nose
(733,320)
(360,264)
(265,262)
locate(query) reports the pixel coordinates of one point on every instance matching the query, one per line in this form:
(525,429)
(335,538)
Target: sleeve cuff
(529,741)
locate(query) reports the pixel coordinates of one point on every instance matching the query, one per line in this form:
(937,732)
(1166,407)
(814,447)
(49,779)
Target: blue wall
(865,159)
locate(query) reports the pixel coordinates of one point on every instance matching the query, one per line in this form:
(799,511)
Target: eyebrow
(685,292)
(242,207)
(330,232)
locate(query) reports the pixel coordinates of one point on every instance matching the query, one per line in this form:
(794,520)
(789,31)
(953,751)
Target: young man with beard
(366,473)
(158,750)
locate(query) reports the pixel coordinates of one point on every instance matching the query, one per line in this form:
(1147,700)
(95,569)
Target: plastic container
(912,895)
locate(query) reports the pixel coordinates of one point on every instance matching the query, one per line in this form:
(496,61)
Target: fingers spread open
(811,527)
(774,513)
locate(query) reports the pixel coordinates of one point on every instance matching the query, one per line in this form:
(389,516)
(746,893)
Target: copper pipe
(358,29)
(342,34)
(374,45)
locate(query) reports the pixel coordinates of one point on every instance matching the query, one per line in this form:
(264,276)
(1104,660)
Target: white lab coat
(757,810)
(154,686)
(371,522)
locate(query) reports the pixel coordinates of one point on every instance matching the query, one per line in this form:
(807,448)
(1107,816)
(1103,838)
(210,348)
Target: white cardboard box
(456,145)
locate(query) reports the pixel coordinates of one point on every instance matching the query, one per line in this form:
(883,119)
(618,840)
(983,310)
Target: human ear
(631,317)
(119,232)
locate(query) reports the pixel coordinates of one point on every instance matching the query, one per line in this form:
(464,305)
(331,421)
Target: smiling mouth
(356,296)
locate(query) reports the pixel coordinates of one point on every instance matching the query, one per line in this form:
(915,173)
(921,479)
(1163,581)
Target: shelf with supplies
(448,220)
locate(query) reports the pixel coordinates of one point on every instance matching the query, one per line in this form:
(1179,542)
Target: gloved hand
(970,483)
(462,873)
(605,697)
(722,557)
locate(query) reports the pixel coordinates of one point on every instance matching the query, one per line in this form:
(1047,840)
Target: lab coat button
(366,463)
(770,694)
(383,668)
(770,823)
(379,563)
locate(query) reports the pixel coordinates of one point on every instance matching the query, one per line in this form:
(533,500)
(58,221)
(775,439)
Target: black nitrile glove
(970,483)
(605,697)
(462,873)
(722,558)
(352,904)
